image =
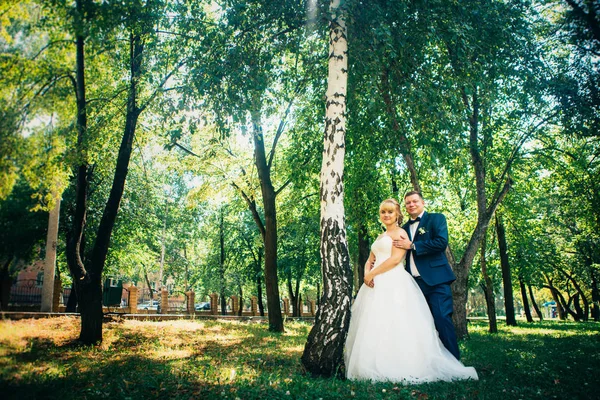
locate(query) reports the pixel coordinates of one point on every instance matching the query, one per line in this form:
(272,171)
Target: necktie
(412,221)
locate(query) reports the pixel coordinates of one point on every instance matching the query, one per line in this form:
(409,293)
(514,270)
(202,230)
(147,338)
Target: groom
(426,261)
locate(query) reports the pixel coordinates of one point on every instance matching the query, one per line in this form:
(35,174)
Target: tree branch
(282,124)
(190,152)
(252,205)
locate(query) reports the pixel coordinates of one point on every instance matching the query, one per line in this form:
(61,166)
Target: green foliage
(22,230)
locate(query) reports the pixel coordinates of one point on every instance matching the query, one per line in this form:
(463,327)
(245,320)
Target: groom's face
(414,205)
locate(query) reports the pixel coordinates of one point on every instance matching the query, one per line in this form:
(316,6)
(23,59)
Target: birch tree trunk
(323,353)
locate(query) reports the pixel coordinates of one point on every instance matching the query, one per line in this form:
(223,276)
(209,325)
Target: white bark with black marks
(323,353)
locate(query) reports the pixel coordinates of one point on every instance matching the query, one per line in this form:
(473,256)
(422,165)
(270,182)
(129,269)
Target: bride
(392,335)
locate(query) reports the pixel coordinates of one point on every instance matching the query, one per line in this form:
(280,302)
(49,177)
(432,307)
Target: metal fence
(64,297)
(26,292)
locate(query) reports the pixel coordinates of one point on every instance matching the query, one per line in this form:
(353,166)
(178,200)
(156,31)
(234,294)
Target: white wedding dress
(392,336)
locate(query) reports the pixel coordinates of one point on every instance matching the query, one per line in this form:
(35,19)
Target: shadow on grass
(233,360)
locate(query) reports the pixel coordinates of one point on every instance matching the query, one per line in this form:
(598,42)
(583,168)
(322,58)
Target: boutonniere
(422,231)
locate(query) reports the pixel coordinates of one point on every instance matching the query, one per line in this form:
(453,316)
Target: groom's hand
(403,243)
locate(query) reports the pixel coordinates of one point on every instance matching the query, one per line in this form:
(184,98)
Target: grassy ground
(234,360)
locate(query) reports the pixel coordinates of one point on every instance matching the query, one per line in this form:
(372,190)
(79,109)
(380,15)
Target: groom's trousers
(439,299)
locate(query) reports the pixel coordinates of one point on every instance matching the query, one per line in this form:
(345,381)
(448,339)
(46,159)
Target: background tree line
(186,139)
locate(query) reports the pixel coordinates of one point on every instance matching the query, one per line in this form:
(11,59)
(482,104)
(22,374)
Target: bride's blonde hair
(396,206)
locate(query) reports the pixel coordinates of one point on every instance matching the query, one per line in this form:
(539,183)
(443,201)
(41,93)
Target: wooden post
(313,308)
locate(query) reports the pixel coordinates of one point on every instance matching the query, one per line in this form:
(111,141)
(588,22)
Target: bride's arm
(391,262)
(369,263)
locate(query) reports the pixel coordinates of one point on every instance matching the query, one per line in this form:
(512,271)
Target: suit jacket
(431,240)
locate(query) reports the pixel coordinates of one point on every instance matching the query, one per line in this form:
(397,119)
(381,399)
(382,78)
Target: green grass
(240,360)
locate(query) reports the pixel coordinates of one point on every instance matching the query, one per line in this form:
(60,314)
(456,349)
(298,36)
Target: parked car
(202,306)
(149,305)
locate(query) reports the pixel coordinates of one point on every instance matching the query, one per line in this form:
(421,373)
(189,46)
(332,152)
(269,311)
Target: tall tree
(265,41)
(488,289)
(140,35)
(323,352)
(509,305)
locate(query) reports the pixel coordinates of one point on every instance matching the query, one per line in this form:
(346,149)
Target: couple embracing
(401,327)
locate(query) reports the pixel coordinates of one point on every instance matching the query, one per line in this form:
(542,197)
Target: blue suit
(436,275)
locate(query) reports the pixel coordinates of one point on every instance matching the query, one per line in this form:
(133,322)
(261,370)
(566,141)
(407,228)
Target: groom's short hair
(414,192)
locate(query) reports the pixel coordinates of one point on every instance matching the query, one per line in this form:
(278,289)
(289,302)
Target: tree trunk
(163,248)
(525,300)
(460,285)
(298,281)
(363,251)
(75,235)
(147,279)
(585,312)
(5,284)
(595,295)
(578,309)
(534,303)
(488,289)
(562,306)
(50,260)
(293,296)
(261,307)
(270,235)
(509,301)
(222,285)
(323,353)
(71,306)
(559,308)
(565,305)
(89,295)
(484,214)
(259,293)
(91,289)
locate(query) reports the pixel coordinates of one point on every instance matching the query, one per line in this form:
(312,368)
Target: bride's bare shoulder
(403,234)
(398,234)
